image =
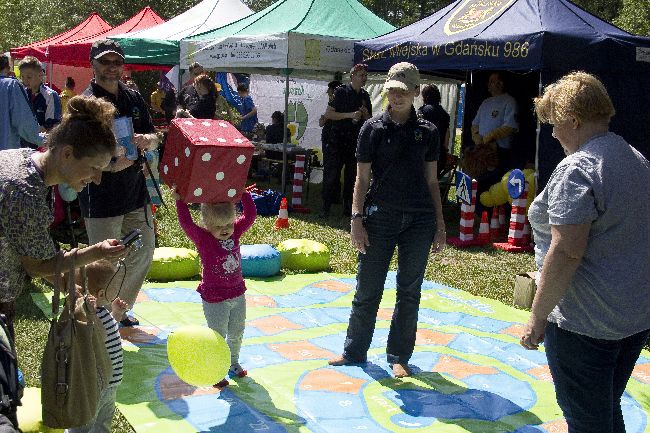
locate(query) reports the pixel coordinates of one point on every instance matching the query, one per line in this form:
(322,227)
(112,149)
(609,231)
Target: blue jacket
(47,107)
(16,117)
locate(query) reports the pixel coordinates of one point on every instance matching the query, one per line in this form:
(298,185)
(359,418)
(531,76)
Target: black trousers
(337,157)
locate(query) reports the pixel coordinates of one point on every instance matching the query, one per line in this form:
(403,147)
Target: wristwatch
(355,216)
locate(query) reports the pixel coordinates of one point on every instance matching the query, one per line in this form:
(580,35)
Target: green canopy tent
(294,37)
(159,45)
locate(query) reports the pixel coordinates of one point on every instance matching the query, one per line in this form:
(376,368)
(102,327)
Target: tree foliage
(24,22)
(635,17)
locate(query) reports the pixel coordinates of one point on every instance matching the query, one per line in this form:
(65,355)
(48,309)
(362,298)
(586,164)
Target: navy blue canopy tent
(537,41)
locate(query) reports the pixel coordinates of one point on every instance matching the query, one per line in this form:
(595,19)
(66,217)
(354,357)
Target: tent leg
(284,131)
(538,131)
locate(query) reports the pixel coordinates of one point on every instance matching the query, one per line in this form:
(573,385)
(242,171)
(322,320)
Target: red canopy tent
(77,52)
(93,25)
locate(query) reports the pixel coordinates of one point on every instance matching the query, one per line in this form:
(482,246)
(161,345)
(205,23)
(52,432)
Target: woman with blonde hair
(78,149)
(592,306)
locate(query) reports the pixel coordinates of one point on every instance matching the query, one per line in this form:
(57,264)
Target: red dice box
(207,160)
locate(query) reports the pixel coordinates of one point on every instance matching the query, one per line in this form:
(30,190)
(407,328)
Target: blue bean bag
(304,254)
(259,260)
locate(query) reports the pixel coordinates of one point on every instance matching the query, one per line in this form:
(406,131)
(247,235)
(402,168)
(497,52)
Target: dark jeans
(412,233)
(590,376)
(335,158)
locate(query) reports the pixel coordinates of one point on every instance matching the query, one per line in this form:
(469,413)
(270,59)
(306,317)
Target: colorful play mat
(471,373)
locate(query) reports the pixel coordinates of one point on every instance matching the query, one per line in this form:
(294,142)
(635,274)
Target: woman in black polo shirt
(401,207)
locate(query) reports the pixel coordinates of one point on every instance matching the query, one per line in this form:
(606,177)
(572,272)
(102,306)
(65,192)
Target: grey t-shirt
(605,183)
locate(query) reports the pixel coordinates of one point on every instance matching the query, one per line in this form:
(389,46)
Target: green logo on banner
(298,116)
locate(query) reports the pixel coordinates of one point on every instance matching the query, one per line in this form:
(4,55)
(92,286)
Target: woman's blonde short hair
(576,94)
(217,214)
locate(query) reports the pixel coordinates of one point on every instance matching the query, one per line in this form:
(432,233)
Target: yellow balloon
(486,199)
(530,179)
(498,196)
(30,413)
(504,182)
(198,355)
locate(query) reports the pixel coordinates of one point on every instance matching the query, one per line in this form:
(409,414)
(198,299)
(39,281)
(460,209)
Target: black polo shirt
(438,116)
(125,191)
(346,100)
(398,154)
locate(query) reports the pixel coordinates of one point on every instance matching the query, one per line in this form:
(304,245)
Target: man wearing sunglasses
(120,203)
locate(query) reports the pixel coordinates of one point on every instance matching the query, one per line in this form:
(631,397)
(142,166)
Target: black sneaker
(129,321)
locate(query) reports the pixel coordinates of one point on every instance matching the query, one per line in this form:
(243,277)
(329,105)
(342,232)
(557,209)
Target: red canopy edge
(93,25)
(77,52)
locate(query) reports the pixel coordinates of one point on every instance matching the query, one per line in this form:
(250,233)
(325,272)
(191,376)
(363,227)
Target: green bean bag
(30,413)
(304,254)
(173,264)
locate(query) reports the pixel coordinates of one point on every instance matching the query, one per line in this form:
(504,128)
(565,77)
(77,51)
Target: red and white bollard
(466,228)
(298,177)
(516,239)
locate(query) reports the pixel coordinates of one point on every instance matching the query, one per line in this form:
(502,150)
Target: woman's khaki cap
(404,76)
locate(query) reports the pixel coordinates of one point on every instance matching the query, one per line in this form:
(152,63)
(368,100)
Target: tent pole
(284,131)
(539,128)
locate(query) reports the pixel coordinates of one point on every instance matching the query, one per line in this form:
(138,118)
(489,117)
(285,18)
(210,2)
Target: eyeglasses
(104,62)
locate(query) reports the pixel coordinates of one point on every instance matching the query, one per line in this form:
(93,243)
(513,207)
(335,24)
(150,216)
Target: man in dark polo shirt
(120,203)
(347,110)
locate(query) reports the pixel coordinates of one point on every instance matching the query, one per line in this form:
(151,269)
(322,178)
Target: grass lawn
(480,271)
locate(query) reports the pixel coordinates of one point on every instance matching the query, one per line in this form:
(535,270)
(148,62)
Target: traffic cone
(494,224)
(484,230)
(283,216)
(502,220)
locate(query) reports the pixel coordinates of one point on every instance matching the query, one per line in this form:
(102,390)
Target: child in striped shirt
(100,274)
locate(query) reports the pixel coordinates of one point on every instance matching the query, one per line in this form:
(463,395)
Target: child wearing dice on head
(222,285)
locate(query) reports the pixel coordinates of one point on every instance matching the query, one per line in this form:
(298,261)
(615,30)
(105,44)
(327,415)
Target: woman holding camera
(77,151)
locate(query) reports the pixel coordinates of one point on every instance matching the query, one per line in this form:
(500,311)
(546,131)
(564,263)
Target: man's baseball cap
(404,76)
(105,46)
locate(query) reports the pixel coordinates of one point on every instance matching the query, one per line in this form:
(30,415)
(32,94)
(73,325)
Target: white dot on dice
(187,152)
(206,123)
(238,140)
(203,139)
(165,169)
(198,192)
(220,175)
(176,162)
(241,159)
(225,125)
(206,157)
(221,140)
(187,122)
(232,192)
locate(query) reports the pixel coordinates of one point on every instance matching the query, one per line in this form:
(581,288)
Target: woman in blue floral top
(78,150)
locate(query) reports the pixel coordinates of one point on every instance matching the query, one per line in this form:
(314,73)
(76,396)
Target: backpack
(10,389)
